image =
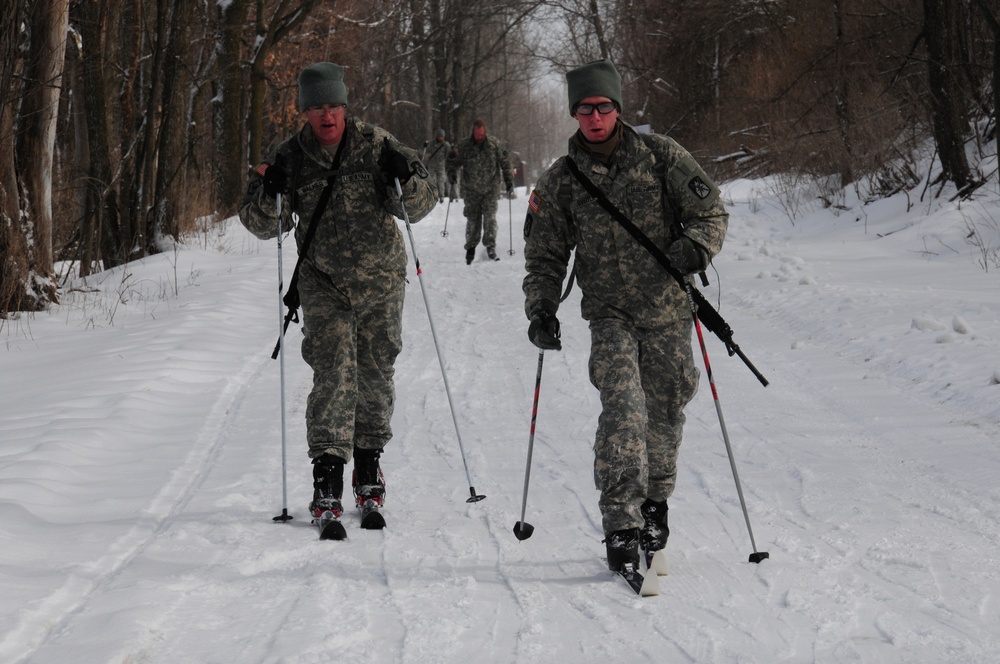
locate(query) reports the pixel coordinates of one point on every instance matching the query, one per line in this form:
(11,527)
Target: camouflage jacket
(435,155)
(618,277)
(483,166)
(357,241)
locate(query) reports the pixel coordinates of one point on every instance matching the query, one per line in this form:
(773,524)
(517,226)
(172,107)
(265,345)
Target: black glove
(291,298)
(543,330)
(687,256)
(275,178)
(394,165)
(511,194)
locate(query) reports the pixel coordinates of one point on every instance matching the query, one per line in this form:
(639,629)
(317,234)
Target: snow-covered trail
(868,481)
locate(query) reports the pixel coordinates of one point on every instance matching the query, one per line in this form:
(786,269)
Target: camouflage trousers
(440,180)
(480,219)
(351,340)
(646,377)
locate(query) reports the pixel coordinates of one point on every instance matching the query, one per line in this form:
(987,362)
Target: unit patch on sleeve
(699,187)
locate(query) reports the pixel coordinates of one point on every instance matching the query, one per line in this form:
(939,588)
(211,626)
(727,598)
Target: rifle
(700,307)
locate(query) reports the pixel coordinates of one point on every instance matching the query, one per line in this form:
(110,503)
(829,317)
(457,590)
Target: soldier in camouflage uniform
(640,321)
(435,156)
(352,276)
(483,163)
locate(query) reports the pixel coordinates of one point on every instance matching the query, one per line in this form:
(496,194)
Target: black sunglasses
(603,108)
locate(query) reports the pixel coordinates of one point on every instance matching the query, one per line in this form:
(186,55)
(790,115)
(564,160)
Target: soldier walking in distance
(435,157)
(484,163)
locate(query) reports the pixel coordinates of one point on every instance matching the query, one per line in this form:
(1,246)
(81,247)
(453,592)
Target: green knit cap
(594,79)
(322,83)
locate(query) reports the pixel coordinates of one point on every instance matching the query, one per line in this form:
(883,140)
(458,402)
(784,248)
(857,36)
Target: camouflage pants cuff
(369,442)
(342,449)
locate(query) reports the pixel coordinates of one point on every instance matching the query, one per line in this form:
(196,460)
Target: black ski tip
(283,517)
(474,498)
(373,521)
(333,531)
(643,585)
(522,530)
(758,556)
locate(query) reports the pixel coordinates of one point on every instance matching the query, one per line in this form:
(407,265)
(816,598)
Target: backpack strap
(291,297)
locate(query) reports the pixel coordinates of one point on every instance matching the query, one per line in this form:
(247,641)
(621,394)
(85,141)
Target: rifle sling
(291,298)
(700,307)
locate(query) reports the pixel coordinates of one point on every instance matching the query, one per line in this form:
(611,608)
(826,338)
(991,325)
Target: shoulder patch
(534,201)
(699,187)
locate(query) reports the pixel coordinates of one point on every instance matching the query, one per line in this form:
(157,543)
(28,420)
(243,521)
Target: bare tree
(177,79)
(944,34)
(271,29)
(992,21)
(230,145)
(13,244)
(49,20)
(101,235)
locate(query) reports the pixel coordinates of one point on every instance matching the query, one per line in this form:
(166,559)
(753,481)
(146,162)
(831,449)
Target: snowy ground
(140,464)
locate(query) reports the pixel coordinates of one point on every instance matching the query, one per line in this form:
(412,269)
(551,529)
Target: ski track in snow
(854,463)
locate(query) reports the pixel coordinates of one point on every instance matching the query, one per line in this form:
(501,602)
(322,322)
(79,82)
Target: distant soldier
(435,157)
(351,279)
(640,321)
(484,164)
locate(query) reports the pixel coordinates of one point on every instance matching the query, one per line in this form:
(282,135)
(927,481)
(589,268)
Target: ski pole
(510,227)
(284,516)
(444,233)
(523,530)
(474,497)
(756,556)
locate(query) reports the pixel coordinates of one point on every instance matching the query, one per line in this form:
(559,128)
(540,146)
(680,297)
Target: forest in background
(125,123)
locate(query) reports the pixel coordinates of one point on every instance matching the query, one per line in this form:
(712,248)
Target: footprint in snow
(925,324)
(960,326)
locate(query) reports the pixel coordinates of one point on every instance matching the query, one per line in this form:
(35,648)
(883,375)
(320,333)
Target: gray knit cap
(322,83)
(594,79)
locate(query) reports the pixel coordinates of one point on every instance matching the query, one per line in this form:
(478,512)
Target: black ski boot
(623,559)
(491,252)
(470,255)
(623,549)
(654,532)
(328,488)
(369,488)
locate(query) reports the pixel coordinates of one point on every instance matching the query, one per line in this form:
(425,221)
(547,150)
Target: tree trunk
(459,110)
(13,251)
(49,20)
(993,23)
(598,23)
(102,235)
(173,125)
(843,98)
(230,144)
(421,50)
(270,32)
(438,52)
(13,244)
(943,33)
